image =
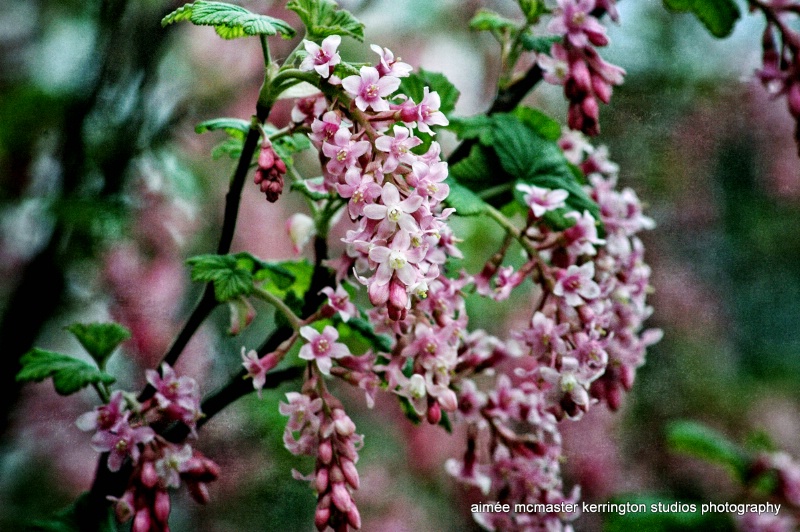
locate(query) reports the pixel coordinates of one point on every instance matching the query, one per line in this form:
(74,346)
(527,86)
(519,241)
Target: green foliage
(695,439)
(487,20)
(69,374)
(99,339)
(379,342)
(80,516)
(304,188)
(235,127)
(230,147)
(287,145)
(514,148)
(230,280)
(538,44)
(323,18)
(532,9)
(414,87)
(229,21)
(718,16)
(664,521)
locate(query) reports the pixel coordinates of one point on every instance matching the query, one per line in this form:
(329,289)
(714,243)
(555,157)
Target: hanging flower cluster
(575,64)
(128,430)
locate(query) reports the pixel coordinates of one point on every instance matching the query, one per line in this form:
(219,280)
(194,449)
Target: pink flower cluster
(128,431)
(270,171)
(780,72)
(582,346)
(318,426)
(575,63)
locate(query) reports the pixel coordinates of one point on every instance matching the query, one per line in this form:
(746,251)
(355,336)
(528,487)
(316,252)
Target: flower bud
(321,480)
(336,475)
(321,517)
(300,228)
(325,452)
(142,521)
(626,376)
(149,476)
(161,507)
(350,473)
(353,517)
(434,413)
(341,497)
(448,400)
(199,492)
(343,425)
(378,294)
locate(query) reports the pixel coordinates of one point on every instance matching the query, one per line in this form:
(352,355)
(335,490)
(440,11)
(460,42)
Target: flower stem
(512,230)
(275,301)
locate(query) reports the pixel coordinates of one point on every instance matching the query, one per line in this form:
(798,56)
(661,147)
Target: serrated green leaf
(488,20)
(473,127)
(536,120)
(235,127)
(287,145)
(344,69)
(718,16)
(230,280)
(323,18)
(700,441)
(99,339)
(414,85)
(463,200)
(539,44)
(474,168)
(229,21)
(69,374)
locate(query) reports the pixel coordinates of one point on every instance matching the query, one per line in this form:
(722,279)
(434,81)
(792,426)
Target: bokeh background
(105,189)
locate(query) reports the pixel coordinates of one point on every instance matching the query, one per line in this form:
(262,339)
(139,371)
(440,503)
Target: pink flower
(542,200)
(428,180)
(360,188)
(121,443)
(397,147)
(106,417)
(178,397)
(574,20)
(322,58)
(428,112)
(396,259)
(344,152)
(555,66)
(322,347)
(576,284)
(389,65)
(257,368)
(394,211)
(339,301)
(370,88)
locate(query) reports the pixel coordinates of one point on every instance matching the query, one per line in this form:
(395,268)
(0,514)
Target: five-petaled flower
(322,347)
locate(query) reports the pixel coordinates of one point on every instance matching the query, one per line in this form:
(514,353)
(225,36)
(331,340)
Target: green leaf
(532,9)
(235,127)
(463,200)
(286,278)
(536,120)
(700,441)
(287,145)
(230,280)
(323,18)
(487,20)
(304,188)
(99,339)
(475,168)
(539,44)
(473,127)
(229,21)
(718,16)
(230,147)
(414,85)
(408,410)
(379,342)
(69,374)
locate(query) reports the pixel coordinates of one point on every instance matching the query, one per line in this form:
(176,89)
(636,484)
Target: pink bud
(336,475)
(601,89)
(575,117)
(350,473)
(354,518)
(434,413)
(378,294)
(343,425)
(142,521)
(199,492)
(321,480)
(626,377)
(579,72)
(300,228)
(149,476)
(448,400)
(398,296)
(161,507)
(794,99)
(614,397)
(341,497)
(325,452)
(590,108)
(321,517)
(266,158)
